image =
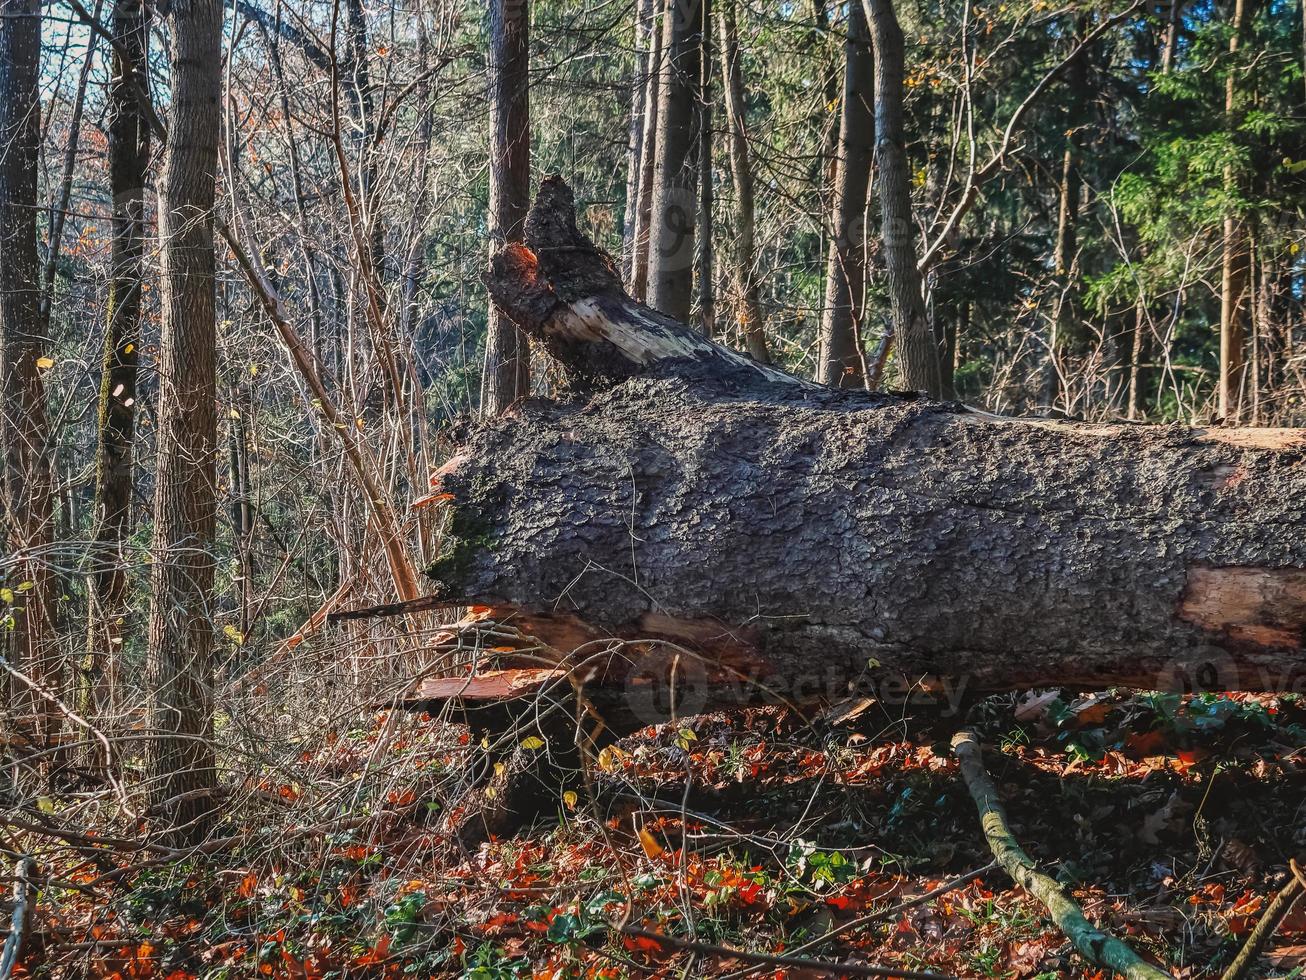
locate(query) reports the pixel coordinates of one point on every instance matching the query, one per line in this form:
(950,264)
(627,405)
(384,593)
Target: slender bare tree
(24,354)
(638,277)
(645,22)
(507,353)
(179,663)
(748,312)
(703,253)
(675,178)
(129,155)
(918,351)
(1235,265)
(840,360)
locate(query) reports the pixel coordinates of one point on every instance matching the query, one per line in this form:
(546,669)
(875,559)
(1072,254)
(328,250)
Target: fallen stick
(781,959)
(424,603)
(950,885)
(1275,912)
(18,921)
(1094,944)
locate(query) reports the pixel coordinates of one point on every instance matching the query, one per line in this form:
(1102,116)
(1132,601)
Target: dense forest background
(1079,210)
(1085,278)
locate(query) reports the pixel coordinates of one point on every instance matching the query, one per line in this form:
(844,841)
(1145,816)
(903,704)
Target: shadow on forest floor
(1172,821)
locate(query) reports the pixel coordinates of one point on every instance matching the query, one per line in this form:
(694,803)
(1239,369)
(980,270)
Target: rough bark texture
(180,665)
(507,353)
(918,352)
(1235,247)
(765,539)
(840,362)
(675,200)
(28,511)
(129,156)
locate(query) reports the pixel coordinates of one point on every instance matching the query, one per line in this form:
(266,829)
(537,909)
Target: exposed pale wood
(1265,607)
(490,685)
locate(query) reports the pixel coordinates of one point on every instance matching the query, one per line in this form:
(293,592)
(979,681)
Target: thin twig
(891,912)
(780,959)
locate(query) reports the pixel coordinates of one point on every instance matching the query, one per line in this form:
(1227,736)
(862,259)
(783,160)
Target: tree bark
(362,99)
(704,255)
(638,278)
(507,352)
(1174,16)
(129,156)
(840,361)
(675,174)
(179,662)
(918,351)
(748,313)
(645,24)
(713,528)
(28,515)
(1235,271)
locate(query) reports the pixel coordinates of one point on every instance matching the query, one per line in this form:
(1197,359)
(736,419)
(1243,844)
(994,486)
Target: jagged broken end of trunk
(566,292)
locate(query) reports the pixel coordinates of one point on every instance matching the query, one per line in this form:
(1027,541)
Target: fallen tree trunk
(692,529)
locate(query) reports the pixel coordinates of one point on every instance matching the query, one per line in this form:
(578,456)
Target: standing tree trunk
(1236,255)
(180,663)
(507,353)
(749,310)
(1065,333)
(1172,20)
(129,156)
(918,351)
(840,360)
(703,154)
(362,94)
(59,204)
(825,122)
(28,513)
(638,278)
(675,202)
(644,25)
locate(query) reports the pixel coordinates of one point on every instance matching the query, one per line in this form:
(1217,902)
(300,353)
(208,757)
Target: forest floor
(1171,819)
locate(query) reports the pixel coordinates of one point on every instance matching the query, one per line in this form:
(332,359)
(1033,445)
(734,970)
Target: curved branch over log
(694,530)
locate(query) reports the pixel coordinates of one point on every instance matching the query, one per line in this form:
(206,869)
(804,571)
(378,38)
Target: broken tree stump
(690,530)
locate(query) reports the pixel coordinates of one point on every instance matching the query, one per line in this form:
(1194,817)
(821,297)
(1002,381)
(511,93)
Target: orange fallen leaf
(652,849)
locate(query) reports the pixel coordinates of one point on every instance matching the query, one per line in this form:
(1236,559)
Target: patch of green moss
(468,535)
